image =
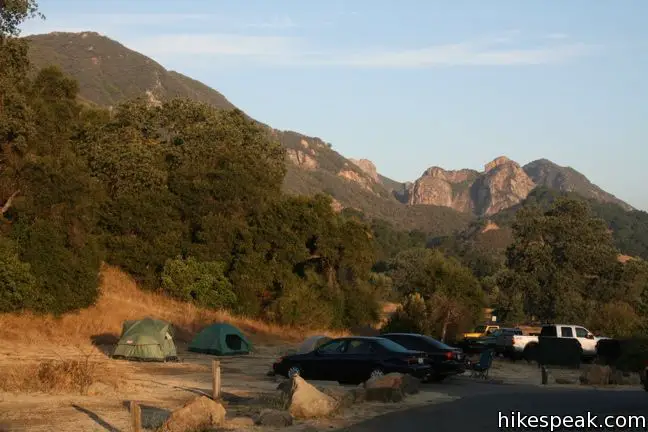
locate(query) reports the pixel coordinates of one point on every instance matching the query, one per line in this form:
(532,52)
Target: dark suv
(443,359)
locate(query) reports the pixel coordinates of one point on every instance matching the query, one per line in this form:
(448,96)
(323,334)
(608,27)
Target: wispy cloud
(254,47)
(289,51)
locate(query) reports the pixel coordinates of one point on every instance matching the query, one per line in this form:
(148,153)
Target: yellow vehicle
(481,331)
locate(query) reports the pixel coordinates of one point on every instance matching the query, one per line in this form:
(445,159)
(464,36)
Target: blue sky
(411,84)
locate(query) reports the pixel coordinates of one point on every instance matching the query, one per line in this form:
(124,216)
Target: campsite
(148,366)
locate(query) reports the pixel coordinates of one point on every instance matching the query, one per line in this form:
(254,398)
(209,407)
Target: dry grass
(122,300)
(59,376)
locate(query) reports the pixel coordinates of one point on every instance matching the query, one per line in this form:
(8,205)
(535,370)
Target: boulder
(407,384)
(595,375)
(274,418)
(240,422)
(305,401)
(343,398)
(384,394)
(197,414)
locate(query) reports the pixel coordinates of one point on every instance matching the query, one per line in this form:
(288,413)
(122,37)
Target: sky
(411,84)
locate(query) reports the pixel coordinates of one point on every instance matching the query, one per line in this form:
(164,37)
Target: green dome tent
(146,340)
(220,339)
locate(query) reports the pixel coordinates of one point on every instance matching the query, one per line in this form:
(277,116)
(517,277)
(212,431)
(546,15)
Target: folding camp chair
(481,368)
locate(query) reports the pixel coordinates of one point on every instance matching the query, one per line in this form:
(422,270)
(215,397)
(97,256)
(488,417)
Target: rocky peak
(498,161)
(441,187)
(367,167)
(503,185)
(450,176)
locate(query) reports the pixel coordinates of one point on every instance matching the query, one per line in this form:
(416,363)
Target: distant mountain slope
(545,173)
(109,73)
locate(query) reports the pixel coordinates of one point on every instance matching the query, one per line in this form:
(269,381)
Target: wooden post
(545,374)
(136,416)
(216,380)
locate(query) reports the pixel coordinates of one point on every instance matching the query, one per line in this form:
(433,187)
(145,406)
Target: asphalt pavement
(483,408)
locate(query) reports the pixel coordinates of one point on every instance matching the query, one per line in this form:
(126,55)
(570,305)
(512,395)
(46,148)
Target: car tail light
(449,355)
(414,360)
(513,341)
(279,360)
(646,363)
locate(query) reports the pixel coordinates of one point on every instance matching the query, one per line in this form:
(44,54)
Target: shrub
(203,283)
(17,284)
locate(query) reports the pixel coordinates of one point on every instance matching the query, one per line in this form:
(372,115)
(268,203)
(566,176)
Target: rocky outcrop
(367,167)
(361,179)
(302,159)
(503,184)
(443,188)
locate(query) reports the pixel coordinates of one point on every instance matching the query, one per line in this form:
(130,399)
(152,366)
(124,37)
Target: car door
(586,340)
(324,361)
(357,361)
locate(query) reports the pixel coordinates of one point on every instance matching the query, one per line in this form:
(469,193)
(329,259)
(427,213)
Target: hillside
(440,202)
(492,236)
(109,73)
(548,174)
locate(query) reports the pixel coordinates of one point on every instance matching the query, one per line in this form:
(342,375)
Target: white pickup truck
(519,346)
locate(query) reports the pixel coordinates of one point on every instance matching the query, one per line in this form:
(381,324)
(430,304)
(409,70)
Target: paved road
(479,412)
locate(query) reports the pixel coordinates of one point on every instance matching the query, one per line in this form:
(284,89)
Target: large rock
(384,394)
(305,401)
(197,414)
(407,384)
(343,398)
(274,418)
(595,374)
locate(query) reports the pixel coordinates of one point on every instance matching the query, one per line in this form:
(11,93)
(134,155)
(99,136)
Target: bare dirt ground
(52,377)
(160,388)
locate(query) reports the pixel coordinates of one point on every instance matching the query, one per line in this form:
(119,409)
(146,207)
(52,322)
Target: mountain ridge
(108,73)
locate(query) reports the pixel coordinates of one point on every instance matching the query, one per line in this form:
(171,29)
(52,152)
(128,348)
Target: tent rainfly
(220,339)
(146,340)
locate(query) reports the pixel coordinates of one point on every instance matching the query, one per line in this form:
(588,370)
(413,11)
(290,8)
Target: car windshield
(480,329)
(391,345)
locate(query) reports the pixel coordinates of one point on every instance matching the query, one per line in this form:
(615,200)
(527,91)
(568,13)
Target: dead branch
(7,205)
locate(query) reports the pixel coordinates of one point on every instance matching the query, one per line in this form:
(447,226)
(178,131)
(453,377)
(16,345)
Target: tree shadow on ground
(101,422)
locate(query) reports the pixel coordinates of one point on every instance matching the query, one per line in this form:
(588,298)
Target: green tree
(562,259)
(455,292)
(202,283)
(17,284)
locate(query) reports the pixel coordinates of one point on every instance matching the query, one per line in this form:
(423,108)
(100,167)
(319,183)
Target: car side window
(401,340)
(359,347)
(548,331)
(332,347)
(581,332)
(566,332)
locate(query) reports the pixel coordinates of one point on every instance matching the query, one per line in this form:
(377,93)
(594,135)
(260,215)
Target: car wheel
(376,373)
(294,371)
